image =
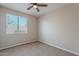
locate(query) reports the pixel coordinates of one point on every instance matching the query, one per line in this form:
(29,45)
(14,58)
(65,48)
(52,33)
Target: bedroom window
(16,24)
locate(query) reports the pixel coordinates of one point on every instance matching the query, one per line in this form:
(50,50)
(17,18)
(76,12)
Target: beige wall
(9,40)
(60,28)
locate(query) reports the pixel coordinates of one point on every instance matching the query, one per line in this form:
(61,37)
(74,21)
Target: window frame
(17,25)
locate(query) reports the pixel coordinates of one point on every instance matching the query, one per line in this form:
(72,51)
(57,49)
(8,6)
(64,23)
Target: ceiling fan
(36,6)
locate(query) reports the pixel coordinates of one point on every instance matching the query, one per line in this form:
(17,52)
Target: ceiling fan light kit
(36,5)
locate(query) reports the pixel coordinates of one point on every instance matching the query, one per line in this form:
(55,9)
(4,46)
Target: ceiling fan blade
(42,5)
(29,8)
(37,9)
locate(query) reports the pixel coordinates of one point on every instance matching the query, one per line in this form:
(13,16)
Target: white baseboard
(17,44)
(59,47)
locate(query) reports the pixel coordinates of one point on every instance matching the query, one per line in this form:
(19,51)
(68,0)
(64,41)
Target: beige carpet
(34,49)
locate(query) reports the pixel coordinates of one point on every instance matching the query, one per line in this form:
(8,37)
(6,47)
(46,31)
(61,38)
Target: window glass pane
(22,21)
(22,24)
(11,23)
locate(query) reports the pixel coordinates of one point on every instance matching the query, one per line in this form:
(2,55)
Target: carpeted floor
(34,49)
